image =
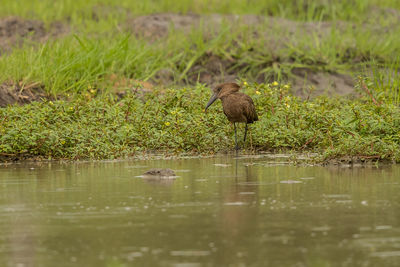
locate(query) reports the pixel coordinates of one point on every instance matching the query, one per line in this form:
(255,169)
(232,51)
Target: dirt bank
(14,31)
(157,26)
(211,69)
(21,94)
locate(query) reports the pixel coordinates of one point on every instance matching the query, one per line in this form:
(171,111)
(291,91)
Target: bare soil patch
(21,94)
(157,26)
(307,83)
(212,69)
(120,86)
(14,31)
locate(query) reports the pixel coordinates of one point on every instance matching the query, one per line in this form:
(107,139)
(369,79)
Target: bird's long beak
(212,99)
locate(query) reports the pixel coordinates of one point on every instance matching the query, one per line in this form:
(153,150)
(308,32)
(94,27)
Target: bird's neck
(224,96)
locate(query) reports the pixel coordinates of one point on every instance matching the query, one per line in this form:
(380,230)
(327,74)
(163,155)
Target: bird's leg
(245,133)
(251,141)
(236,144)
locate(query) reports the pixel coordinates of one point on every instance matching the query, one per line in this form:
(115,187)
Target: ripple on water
(344,201)
(255,183)
(380,243)
(386,254)
(365,228)
(13,208)
(86,214)
(336,196)
(291,182)
(383,227)
(14,182)
(222,165)
(307,178)
(135,254)
(321,228)
(185,204)
(247,193)
(237,203)
(190,253)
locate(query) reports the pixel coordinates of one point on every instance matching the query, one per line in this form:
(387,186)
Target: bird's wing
(249,109)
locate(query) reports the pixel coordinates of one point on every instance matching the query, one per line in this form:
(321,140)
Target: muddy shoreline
(276,158)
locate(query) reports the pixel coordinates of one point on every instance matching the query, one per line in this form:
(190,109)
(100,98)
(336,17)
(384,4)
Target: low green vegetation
(174,122)
(97,60)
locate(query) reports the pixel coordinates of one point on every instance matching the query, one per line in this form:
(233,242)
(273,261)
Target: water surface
(222,211)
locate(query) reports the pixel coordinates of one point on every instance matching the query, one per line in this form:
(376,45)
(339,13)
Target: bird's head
(222,90)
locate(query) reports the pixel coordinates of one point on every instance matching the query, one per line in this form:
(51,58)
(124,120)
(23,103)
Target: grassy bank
(102,40)
(74,63)
(78,10)
(174,122)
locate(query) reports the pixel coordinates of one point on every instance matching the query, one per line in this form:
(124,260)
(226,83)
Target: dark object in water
(160,172)
(238,107)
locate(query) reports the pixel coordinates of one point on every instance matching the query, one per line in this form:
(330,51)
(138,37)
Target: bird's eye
(219,89)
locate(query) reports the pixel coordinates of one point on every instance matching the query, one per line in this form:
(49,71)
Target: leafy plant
(173,121)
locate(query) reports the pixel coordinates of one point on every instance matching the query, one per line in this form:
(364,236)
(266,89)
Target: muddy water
(221,211)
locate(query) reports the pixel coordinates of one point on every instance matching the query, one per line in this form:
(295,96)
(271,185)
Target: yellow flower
(245,83)
(286,86)
(275,83)
(51,102)
(167,123)
(71,108)
(258,93)
(92,91)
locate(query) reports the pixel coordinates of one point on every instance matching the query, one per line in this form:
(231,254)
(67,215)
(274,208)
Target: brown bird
(238,107)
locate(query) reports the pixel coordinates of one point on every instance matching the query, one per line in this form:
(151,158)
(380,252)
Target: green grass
(382,82)
(73,63)
(98,47)
(174,122)
(78,10)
